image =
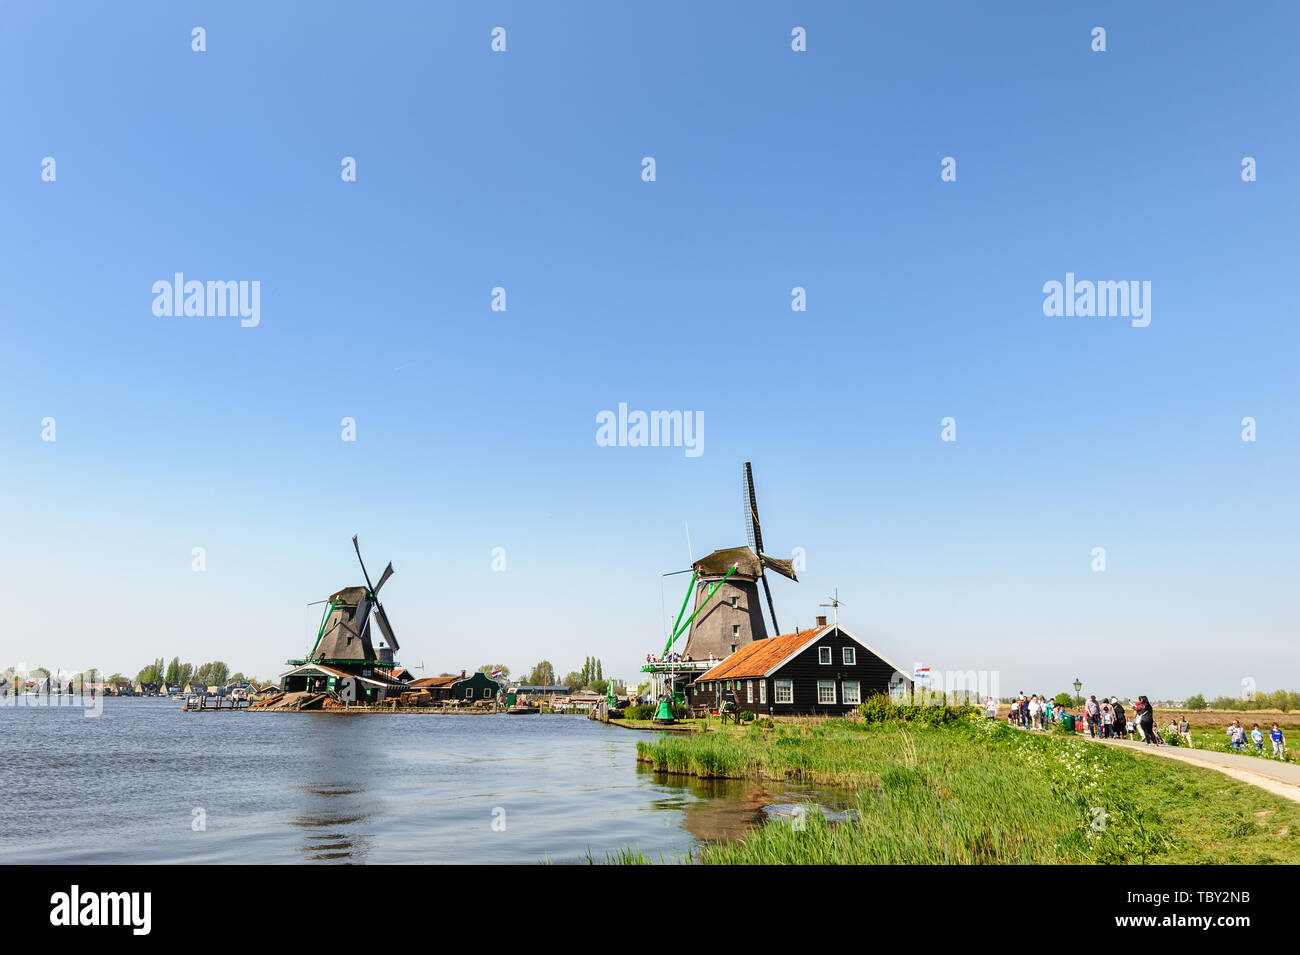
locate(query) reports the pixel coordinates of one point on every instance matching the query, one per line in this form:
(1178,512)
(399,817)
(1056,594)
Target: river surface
(146,783)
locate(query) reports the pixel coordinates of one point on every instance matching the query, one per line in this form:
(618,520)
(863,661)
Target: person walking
(1279,742)
(1121,727)
(1146,720)
(1237,736)
(1185,732)
(1257,737)
(1093,713)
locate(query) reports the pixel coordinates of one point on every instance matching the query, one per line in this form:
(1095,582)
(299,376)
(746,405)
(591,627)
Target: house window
(487,691)
(735,601)
(733,648)
(850,656)
(852,690)
(469,693)
(735,630)
(824,655)
(826,692)
(749,691)
(762,691)
(784,691)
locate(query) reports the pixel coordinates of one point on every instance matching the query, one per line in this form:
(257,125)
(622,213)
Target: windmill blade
(753,530)
(783,567)
(771,608)
(388,572)
(381,617)
(362,619)
(362,563)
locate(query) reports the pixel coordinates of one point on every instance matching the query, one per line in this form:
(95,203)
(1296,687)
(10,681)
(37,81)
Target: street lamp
(1078,685)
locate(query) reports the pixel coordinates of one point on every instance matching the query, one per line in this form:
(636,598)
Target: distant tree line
(590,677)
(1284,700)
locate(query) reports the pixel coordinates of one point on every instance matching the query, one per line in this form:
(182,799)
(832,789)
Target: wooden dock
(213,704)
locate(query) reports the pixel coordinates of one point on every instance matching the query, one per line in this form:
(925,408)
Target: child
(1257,737)
(1237,735)
(1279,742)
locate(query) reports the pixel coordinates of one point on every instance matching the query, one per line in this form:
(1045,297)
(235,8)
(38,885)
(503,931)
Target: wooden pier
(213,704)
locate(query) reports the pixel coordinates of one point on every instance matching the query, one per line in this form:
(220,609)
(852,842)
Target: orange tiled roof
(437,680)
(757,658)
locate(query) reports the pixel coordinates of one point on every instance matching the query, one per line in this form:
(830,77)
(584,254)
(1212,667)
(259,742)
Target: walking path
(1271,774)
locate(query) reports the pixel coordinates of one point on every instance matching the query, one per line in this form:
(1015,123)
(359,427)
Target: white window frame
(849,656)
(469,693)
(788,686)
(762,691)
(749,691)
(823,684)
(487,692)
(825,656)
(735,630)
(857,692)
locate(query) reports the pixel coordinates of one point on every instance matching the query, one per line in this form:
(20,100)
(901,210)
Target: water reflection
(330,823)
(715,810)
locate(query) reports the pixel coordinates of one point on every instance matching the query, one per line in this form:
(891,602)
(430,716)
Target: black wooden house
(824,671)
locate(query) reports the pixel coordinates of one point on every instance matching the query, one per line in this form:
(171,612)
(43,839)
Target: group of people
(675,657)
(1237,737)
(1107,718)
(1033,712)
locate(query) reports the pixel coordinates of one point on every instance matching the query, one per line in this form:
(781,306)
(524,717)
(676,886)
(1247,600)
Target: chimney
(821,621)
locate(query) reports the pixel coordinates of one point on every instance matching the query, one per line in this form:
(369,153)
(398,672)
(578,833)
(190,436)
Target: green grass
(1216,740)
(981,792)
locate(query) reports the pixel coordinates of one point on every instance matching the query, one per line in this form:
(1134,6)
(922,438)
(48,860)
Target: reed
(979,792)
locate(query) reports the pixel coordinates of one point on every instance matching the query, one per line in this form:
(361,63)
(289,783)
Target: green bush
(640,712)
(746,716)
(879,708)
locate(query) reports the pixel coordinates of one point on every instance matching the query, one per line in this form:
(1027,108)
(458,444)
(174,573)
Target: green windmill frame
(664,714)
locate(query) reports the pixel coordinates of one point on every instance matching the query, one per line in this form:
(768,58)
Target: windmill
(344,634)
(728,613)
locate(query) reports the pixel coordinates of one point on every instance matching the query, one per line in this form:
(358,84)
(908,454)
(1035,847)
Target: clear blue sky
(775,169)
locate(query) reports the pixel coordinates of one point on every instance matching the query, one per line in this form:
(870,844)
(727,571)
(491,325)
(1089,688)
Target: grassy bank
(981,792)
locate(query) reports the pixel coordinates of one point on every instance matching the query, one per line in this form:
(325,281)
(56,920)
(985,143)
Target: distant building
(822,671)
(466,687)
(535,692)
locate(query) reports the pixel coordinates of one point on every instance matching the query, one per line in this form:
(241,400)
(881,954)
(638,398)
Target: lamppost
(1078,685)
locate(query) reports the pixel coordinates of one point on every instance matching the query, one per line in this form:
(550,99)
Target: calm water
(286,788)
